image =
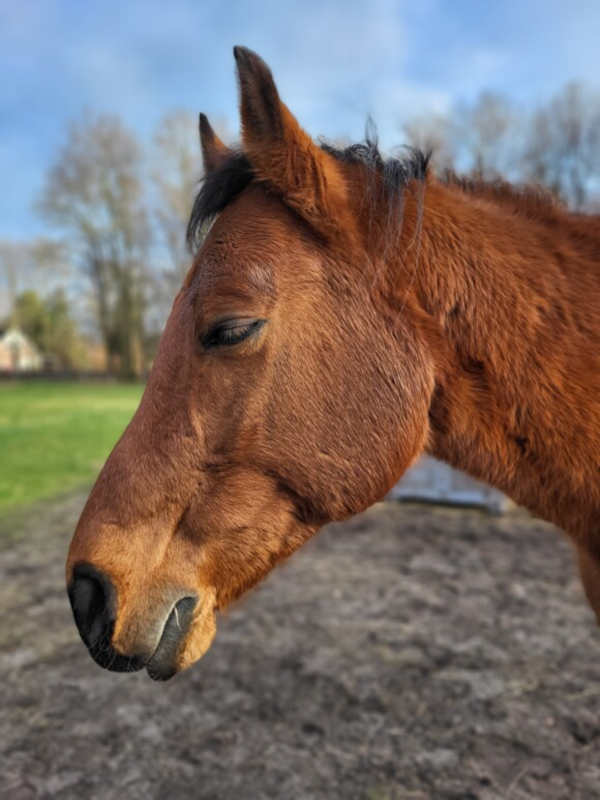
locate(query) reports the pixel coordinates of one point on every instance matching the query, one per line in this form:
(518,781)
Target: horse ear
(214,152)
(281,153)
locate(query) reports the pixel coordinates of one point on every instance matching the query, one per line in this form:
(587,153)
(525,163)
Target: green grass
(55,436)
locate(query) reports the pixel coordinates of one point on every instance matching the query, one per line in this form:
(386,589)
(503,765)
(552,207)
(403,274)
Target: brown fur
(470,330)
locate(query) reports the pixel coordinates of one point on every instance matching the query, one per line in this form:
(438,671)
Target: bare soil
(413,652)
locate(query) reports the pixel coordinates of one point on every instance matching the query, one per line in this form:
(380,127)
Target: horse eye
(230,332)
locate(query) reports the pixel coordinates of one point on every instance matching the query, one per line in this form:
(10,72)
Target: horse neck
(512,306)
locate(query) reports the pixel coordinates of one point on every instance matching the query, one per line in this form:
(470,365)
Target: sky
(334,63)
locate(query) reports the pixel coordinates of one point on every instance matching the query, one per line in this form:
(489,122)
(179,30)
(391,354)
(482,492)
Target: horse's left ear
(214,152)
(282,154)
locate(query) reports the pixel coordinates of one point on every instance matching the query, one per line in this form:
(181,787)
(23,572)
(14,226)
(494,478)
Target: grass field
(54,436)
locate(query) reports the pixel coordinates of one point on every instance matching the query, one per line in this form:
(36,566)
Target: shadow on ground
(413,652)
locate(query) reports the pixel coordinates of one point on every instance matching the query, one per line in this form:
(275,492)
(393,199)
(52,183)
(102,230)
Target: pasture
(55,435)
(411,653)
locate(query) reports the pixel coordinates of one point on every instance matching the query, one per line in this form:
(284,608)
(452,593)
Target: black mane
(218,189)
(225,183)
(396,172)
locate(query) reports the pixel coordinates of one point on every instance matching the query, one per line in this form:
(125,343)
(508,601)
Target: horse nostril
(94,602)
(92,599)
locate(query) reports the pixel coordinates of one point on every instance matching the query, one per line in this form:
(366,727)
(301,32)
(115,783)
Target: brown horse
(344,314)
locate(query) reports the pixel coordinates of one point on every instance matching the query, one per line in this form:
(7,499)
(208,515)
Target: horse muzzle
(158,645)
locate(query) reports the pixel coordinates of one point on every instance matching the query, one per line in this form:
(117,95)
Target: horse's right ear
(283,155)
(214,152)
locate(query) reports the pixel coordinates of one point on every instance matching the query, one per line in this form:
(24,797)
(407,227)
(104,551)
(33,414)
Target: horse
(344,314)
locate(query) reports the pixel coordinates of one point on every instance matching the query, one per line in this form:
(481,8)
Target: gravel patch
(413,652)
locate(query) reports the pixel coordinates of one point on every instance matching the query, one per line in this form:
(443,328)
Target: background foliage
(97,292)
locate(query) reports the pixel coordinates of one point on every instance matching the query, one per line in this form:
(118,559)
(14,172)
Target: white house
(18,353)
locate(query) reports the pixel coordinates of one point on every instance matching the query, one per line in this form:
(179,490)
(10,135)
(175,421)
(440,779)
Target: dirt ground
(413,652)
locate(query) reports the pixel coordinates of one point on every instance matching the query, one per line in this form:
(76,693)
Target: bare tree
(40,263)
(563,146)
(435,133)
(94,193)
(556,146)
(487,133)
(176,174)
(13,259)
(178,167)
(476,138)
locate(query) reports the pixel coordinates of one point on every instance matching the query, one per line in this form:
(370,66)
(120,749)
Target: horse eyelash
(227,334)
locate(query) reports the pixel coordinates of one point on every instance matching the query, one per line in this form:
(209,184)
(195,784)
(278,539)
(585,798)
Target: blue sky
(334,63)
